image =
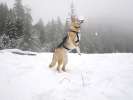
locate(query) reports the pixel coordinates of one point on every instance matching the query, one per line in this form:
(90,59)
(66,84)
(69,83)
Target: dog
(70,42)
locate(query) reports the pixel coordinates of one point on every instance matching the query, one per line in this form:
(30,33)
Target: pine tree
(20,15)
(19,9)
(27,29)
(41,30)
(4,41)
(35,44)
(3,16)
(10,29)
(60,31)
(7,27)
(23,24)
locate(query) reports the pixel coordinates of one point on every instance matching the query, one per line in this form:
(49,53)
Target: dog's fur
(71,41)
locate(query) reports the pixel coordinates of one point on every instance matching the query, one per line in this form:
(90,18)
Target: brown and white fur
(60,55)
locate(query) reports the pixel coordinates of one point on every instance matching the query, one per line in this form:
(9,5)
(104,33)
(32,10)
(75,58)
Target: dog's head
(76,23)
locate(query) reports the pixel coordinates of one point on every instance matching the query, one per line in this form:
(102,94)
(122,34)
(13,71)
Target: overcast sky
(48,9)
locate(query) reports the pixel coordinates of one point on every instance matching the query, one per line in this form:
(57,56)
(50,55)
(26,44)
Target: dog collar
(66,47)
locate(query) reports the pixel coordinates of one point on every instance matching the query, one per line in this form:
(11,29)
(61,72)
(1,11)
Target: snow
(89,77)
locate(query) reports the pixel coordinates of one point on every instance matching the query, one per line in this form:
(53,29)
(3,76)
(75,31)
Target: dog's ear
(73,19)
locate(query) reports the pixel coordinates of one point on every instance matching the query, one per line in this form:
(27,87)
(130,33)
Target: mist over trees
(98,35)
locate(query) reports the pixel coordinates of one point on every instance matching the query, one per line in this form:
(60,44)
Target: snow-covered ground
(89,77)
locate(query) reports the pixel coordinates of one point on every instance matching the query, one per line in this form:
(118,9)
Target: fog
(48,9)
(107,26)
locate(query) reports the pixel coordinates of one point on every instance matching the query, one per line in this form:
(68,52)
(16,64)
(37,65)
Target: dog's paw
(79,54)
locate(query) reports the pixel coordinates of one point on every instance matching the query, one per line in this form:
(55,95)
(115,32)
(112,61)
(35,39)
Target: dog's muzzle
(81,21)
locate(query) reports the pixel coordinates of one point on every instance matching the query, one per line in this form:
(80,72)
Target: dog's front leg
(78,50)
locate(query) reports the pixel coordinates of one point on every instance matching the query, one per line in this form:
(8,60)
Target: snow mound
(89,77)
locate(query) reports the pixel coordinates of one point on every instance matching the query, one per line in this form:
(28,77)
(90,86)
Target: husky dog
(70,42)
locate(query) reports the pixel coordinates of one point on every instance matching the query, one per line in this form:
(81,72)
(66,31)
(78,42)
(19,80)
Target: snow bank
(89,77)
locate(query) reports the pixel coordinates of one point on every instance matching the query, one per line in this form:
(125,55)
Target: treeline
(107,35)
(97,35)
(17,30)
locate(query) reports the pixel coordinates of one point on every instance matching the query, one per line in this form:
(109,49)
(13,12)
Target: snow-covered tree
(27,28)
(10,29)
(39,26)
(3,16)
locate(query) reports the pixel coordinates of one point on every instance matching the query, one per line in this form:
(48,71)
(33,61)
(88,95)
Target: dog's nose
(81,21)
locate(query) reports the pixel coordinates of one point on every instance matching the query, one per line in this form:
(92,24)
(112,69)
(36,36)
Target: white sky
(48,9)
